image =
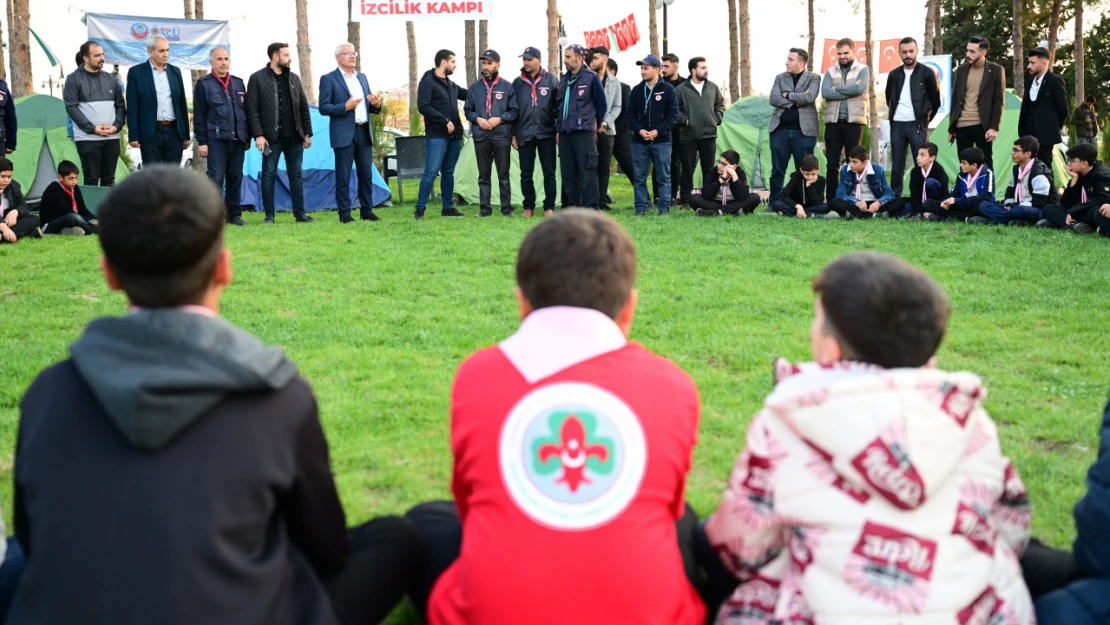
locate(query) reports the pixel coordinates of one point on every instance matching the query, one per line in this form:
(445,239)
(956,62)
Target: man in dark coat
(1044,107)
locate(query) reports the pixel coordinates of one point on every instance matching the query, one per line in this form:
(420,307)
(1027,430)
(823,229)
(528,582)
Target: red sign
(888,56)
(829,56)
(618,37)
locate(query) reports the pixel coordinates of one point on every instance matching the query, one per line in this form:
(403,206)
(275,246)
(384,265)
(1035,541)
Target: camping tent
(318,169)
(43,143)
(744,129)
(466,178)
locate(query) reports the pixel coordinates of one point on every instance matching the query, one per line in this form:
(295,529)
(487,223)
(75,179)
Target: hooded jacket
(699,114)
(1096,185)
(867,495)
(535,121)
(503,104)
(796,192)
(196,446)
(438,101)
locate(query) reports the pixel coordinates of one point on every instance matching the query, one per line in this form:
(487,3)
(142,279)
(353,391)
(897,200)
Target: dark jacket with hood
(502,104)
(173,470)
(796,192)
(438,101)
(1097,185)
(535,121)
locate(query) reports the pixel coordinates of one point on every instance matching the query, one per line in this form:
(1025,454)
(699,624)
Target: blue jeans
(999,215)
(440,156)
(294,156)
(784,144)
(225,162)
(643,155)
(166,147)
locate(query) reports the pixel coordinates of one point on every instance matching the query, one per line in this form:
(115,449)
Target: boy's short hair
(931,147)
(973,156)
(732,156)
(1084,152)
(882,310)
(577,258)
(67,168)
(1029,144)
(162,230)
(6,165)
(858,153)
(809,163)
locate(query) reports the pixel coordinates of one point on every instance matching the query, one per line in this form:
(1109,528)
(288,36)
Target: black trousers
(1045,154)
(166,147)
(708,208)
(849,208)
(98,161)
(622,150)
(578,161)
(1085,213)
(839,137)
(692,151)
(439,526)
(545,148)
(975,137)
(954,214)
(604,165)
(360,154)
(488,152)
(384,558)
(903,135)
(72,220)
(1046,569)
(24,226)
(786,207)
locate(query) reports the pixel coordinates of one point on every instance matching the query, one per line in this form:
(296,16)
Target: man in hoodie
(1085,205)
(701,108)
(580,107)
(491,108)
(188,454)
(872,485)
(534,130)
(863,191)
(654,112)
(438,101)
(1031,187)
(607,132)
(844,88)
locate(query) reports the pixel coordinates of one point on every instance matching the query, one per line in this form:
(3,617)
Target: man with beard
(978,100)
(94,102)
(579,107)
(438,101)
(534,130)
(672,77)
(846,108)
(701,109)
(913,98)
(1044,108)
(607,132)
(491,108)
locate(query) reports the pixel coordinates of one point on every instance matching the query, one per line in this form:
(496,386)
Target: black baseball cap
(600,50)
(531,53)
(491,55)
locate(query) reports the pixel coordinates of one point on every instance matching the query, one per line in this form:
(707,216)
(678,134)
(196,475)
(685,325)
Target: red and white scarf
(532,83)
(489,94)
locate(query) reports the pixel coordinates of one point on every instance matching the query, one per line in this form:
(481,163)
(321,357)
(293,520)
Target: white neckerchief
(553,339)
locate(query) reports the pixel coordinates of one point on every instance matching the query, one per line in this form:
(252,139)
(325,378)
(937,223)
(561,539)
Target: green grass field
(379,315)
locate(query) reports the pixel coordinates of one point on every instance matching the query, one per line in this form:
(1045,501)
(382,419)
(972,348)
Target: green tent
(466,178)
(43,143)
(744,129)
(949,158)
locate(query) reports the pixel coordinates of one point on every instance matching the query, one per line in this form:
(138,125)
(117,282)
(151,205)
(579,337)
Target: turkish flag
(829,59)
(888,56)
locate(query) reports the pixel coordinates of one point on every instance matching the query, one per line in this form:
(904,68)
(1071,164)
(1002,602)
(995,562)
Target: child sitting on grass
(804,195)
(728,192)
(872,488)
(972,189)
(16,220)
(62,209)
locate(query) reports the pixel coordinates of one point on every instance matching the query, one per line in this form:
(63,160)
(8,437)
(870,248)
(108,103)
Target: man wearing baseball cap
(534,130)
(599,63)
(579,107)
(491,108)
(654,112)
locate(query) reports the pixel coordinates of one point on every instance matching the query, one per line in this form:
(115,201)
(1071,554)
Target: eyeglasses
(724,163)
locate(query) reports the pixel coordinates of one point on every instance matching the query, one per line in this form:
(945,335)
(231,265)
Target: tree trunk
(200,164)
(3,64)
(20,48)
(354,36)
(938,29)
(874,113)
(1080,94)
(553,60)
(304,51)
(483,36)
(733,54)
(930,21)
(470,56)
(812,36)
(653,28)
(1054,30)
(11,32)
(745,49)
(1019,52)
(414,114)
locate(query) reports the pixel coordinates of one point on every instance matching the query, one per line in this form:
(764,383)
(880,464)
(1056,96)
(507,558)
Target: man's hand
(494,122)
(515,146)
(374,100)
(352,104)
(860,204)
(203,151)
(951,138)
(654,135)
(7,233)
(991,135)
(134,144)
(948,203)
(450,127)
(483,123)
(11,217)
(261,144)
(645,135)
(307,142)
(801,211)
(874,208)
(1104,210)
(185,144)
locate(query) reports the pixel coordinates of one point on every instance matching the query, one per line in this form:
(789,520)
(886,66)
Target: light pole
(663,4)
(563,41)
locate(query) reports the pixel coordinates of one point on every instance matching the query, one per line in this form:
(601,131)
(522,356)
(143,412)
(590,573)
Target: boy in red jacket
(571,447)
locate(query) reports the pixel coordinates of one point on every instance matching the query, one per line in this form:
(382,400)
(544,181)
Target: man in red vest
(571,446)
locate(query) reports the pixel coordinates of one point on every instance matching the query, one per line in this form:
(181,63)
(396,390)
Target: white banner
(942,67)
(124,38)
(406,10)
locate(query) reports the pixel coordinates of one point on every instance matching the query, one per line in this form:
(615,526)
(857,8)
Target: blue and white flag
(124,38)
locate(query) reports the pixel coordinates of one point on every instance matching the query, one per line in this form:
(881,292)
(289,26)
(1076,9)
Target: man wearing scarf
(491,108)
(534,130)
(581,100)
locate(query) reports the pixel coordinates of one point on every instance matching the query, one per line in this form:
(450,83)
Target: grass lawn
(378,316)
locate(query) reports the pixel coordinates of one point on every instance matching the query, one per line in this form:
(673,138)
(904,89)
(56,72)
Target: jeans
(98,162)
(901,135)
(975,137)
(1018,212)
(528,151)
(787,142)
(225,163)
(489,152)
(643,155)
(839,137)
(165,148)
(294,156)
(440,158)
(360,153)
(692,151)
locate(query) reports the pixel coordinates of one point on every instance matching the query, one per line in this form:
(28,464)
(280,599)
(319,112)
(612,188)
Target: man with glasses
(345,97)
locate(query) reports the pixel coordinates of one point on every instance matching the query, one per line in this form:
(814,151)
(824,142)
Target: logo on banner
(139,31)
(572,456)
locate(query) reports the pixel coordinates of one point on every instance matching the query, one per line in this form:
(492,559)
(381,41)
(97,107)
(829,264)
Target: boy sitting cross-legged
(804,195)
(973,190)
(872,488)
(62,209)
(928,183)
(1031,188)
(728,192)
(863,191)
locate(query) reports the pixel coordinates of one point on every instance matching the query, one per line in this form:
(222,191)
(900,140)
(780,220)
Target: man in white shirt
(345,97)
(157,112)
(913,98)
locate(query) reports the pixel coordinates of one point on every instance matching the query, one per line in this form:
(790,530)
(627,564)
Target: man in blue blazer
(157,113)
(346,99)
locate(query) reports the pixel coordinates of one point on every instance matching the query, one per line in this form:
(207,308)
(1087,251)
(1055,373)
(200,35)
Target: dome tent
(744,129)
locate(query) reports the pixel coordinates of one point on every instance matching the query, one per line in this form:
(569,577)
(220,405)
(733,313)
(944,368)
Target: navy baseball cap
(491,55)
(531,53)
(651,61)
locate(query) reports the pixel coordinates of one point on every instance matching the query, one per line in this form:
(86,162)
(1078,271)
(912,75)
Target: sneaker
(305,219)
(832,215)
(1017,222)
(882,215)
(640,213)
(606,207)
(913,217)
(484,214)
(346,219)
(418,215)
(978,220)
(370,216)
(507,214)
(451,212)
(1082,228)
(36,233)
(73,232)
(1044,223)
(236,221)
(933,217)
(268,220)
(686,206)
(664,213)
(848,216)
(707,212)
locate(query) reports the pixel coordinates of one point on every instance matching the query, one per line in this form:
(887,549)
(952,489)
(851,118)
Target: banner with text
(618,37)
(124,38)
(405,10)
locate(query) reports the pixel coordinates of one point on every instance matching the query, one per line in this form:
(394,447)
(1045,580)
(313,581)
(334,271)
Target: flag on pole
(45,48)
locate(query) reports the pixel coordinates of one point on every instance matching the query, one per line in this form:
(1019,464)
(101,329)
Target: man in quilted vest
(844,88)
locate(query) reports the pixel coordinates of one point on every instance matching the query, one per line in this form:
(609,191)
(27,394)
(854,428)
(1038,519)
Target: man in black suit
(622,146)
(1044,107)
(978,100)
(157,113)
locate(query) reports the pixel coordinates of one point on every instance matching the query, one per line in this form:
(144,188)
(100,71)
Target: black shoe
(687,207)
(418,215)
(268,220)
(346,219)
(934,217)
(507,214)
(370,216)
(978,220)
(236,221)
(1044,223)
(1082,228)
(606,207)
(664,213)
(305,219)
(484,214)
(707,212)
(882,215)
(640,213)
(451,212)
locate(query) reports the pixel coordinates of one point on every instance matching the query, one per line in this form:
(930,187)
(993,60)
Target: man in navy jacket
(654,111)
(579,105)
(157,113)
(534,129)
(491,108)
(220,126)
(346,99)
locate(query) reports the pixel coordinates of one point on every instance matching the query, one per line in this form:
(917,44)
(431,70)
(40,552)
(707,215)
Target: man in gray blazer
(793,125)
